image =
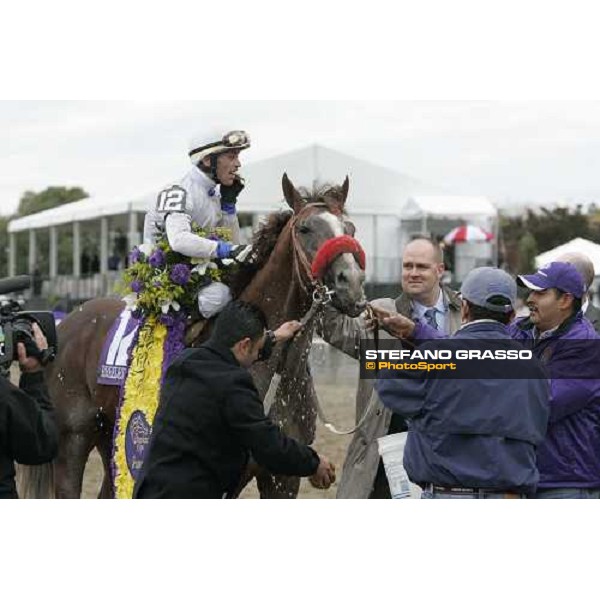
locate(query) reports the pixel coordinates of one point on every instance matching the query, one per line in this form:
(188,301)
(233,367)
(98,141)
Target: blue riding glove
(229,253)
(224,249)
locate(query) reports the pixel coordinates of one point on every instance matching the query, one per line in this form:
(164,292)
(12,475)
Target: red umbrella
(468,233)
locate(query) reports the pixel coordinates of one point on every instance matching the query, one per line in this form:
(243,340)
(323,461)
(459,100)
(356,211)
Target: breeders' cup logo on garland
(137,437)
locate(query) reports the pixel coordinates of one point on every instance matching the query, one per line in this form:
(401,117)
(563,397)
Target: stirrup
(193,332)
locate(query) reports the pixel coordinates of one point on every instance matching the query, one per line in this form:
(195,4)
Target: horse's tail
(35,481)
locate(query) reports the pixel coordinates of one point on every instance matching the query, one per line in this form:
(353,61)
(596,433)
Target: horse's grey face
(344,276)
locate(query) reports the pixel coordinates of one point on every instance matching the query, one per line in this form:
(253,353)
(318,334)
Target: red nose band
(331,249)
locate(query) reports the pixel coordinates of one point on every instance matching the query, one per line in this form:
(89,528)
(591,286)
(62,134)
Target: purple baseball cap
(562,276)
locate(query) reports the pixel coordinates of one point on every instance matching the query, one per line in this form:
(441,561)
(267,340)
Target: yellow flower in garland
(140,401)
(160,280)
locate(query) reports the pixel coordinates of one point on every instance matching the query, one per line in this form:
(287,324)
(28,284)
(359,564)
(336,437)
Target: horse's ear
(291,194)
(345,188)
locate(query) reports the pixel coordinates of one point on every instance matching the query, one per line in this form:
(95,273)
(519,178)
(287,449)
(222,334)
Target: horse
(279,282)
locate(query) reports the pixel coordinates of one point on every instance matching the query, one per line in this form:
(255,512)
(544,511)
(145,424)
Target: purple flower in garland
(167,320)
(180,274)
(135,256)
(137,286)
(157,259)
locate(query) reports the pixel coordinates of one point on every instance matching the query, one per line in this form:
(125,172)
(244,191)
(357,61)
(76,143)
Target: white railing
(94,286)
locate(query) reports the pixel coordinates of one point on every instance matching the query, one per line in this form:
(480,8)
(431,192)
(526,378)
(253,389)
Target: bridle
(310,277)
(310,274)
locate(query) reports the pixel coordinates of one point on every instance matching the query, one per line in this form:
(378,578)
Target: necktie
(430,317)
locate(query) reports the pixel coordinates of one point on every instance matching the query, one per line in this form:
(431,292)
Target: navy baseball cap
(560,275)
(490,288)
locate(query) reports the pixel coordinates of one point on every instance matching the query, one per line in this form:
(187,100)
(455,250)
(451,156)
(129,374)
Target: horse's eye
(304,229)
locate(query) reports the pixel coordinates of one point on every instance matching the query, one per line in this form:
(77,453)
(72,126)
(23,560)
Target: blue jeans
(568,494)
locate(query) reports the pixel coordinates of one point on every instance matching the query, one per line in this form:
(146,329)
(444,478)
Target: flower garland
(159,281)
(139,403)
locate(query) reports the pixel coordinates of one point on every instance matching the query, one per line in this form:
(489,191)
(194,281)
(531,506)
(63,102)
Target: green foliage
(527,252)
(51,197)
(550,227)
(525,236)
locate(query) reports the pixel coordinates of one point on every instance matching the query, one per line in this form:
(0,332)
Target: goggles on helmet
(233,140)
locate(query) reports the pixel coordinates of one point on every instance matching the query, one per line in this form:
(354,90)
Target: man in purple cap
(569,458)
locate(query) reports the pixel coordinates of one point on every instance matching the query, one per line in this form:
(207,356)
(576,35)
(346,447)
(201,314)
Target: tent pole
(133,226)
(32,250)
(53,253)
(103,245)
(76,250)
(12,254)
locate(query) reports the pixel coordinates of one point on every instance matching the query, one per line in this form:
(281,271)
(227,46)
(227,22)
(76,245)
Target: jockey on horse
(205,197)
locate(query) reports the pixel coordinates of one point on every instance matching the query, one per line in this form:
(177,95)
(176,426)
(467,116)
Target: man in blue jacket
(569,458)
(474,438)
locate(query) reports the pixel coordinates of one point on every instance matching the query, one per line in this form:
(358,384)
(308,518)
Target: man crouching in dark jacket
(211,417)
(28,433)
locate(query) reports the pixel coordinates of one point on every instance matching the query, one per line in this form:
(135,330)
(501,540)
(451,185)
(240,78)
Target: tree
(527,253)
(51,197)
(551,228)
(30,203)
(541,231)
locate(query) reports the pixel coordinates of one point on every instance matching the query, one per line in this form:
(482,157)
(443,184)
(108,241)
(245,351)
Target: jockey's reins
(321,296)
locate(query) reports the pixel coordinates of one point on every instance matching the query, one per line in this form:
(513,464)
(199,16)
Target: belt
(467,491)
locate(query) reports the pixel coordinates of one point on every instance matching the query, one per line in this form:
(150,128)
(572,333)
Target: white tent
(379,199)
(375,200)
(449,207)
(586,247)
(88,209)
(373,189)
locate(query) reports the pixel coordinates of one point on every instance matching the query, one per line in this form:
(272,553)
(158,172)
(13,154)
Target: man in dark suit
(586,269)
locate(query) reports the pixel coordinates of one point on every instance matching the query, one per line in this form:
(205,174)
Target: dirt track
(335,380)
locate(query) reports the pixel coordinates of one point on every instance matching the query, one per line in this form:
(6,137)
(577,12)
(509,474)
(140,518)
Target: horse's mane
(264,240)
